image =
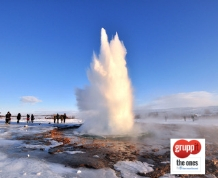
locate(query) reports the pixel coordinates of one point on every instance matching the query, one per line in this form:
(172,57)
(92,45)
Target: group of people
(8,118)
(193,117)
(31,118)
(62,117)
(28,118)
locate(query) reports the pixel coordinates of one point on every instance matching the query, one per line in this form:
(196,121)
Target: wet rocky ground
(100,152)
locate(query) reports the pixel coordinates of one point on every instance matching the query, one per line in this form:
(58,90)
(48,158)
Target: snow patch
(42,147)
(31,168)
(131,168)
(168,176)
(83,172)
(96,156)
(74,152)
(24,167)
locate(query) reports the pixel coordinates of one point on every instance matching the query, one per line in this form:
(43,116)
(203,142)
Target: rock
(96,156)
(55,150)
(155,150)
(69,126)
(215,161)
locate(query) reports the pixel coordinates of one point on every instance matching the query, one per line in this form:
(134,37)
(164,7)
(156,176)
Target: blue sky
(46,48)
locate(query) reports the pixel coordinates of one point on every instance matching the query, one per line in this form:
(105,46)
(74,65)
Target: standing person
(18,118)
(57,116)
(165,118)
(54,118)
(27,118)
(8,118)
(193,118)
(61,117)
(32,118)
(64,117)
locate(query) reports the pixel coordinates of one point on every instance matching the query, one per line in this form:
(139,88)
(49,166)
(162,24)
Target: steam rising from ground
(109,96)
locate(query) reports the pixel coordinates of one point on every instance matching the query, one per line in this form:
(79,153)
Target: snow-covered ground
(28,167)
(17,163)
(26,164)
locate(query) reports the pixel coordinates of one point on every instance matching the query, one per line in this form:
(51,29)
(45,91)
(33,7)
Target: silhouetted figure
(18,118)
(184,118)
(165,118)
(61,117)
(8,118)
(27,118)
(32,118)
(193,118)
(54,118)
(57,117)
(64,117)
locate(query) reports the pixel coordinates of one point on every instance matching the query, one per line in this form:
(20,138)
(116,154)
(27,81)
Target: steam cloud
(109,96)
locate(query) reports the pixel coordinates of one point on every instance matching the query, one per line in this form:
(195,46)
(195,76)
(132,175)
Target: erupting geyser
(110,93)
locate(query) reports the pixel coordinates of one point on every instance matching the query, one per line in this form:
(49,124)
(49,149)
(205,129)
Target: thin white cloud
(192,99)
(30,99)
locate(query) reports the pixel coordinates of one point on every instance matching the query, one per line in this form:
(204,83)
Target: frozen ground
(14,163)
(17,162)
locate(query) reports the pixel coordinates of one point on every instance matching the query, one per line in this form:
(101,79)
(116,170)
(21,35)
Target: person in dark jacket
(8,118)
(32,118)
(57,117)
(27,118)
(54,118)
(193,118)
(64,117)
(18,118)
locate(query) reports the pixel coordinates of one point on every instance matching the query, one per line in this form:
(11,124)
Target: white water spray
(110,92)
